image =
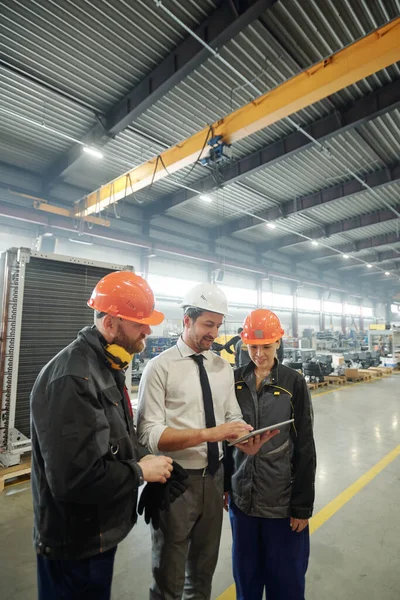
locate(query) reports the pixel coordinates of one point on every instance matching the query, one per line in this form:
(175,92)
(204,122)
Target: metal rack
(43,306)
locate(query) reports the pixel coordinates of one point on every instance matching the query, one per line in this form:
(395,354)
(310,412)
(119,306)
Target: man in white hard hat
(187,407)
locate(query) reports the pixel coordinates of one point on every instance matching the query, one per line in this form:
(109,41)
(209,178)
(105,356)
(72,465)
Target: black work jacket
(85,476)
(278,481)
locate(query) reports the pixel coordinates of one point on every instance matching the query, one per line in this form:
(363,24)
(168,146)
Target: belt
(203,472)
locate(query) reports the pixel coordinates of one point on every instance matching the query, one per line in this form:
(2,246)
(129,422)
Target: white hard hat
(206,296)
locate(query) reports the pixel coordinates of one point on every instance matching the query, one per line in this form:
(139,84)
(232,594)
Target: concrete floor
(354,555)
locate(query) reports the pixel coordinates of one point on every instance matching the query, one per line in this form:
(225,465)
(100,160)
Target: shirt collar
(272,377)
(186,351)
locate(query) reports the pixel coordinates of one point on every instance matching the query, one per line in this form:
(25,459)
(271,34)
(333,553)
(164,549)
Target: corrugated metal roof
(362,203)
(212,91)
(26,109)
(94,50)
(383,134)
(313,30)
(230,202)
(354,235)
(311,170)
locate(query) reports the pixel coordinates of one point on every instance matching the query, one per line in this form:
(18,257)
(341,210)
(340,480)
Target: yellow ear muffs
(117,356)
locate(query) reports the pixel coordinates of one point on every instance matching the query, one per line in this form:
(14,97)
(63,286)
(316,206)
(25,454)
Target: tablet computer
(258,431)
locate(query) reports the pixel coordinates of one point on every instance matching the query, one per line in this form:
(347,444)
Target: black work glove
(159,496)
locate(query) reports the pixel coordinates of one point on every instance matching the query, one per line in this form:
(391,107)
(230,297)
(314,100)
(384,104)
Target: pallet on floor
(375,372)
(382,371)
(14,474)
(367,374)
(359,378)
(315,386)
(336,379)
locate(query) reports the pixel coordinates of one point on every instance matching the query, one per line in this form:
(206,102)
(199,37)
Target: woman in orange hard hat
(271,493)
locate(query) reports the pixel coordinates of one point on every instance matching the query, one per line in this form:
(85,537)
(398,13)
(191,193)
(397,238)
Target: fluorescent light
(205,198)
(84,242)
(369,266)
(345,256)
(271,225)
(151,255)
(93,152)
(387,273)
(314,243)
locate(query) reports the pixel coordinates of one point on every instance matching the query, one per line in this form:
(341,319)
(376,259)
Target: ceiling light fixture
(93,152)
(314,243)
(369,266)
(83,242)
(345,256)
(206,198)
(271,225)
(387,273)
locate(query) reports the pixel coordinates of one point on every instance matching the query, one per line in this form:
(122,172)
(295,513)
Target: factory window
(309,304)
(282,301)
(333,307)
(395,308)
(237,295)
(276,301)
(353,309)
(170,287)
(267,300)
(366,311)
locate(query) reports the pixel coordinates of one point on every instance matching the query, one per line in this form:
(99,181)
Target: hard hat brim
(262,342)
(156,318)
(224,314)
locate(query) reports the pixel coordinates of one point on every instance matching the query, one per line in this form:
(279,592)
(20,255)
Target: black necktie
(212,447)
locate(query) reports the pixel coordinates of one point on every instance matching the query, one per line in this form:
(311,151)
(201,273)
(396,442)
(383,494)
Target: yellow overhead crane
(368,55)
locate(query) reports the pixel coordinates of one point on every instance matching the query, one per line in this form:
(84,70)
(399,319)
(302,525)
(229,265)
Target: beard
(202,343)
(132,346)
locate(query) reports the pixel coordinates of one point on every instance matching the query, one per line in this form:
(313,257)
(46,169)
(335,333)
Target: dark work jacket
(85,476)
(278,481)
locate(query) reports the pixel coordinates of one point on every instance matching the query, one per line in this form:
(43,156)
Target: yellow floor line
(336,504)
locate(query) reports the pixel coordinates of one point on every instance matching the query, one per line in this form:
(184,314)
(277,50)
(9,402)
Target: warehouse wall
(172,275)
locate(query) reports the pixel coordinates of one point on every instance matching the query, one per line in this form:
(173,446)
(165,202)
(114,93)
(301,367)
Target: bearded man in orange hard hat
(87,464)
(271,492)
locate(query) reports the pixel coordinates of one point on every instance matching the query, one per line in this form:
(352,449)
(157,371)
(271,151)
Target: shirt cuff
(154,437)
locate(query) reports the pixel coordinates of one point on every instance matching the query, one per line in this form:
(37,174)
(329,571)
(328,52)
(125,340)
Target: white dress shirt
(170,395)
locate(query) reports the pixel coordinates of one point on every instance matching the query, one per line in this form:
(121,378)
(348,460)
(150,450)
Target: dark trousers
(185,548)
(267,554)
(85,579)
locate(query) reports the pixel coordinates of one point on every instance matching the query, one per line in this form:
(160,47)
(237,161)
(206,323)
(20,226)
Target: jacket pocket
(274,477)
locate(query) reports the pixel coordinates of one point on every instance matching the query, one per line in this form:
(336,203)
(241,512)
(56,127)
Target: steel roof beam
(357,113)
(368,55)
(329,229)
(321,198)
(225,23)
(373,259)
(352,247)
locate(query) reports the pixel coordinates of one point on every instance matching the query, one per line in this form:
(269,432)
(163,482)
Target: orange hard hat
(261,326)
(126,295)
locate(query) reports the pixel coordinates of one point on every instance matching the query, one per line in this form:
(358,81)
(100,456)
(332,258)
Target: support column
(343,315)
(295,315)
(361,319)
(322,312)
(259,293)
(144,262)
(388,313)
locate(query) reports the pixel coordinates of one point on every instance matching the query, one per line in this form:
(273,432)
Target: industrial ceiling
(319,190)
